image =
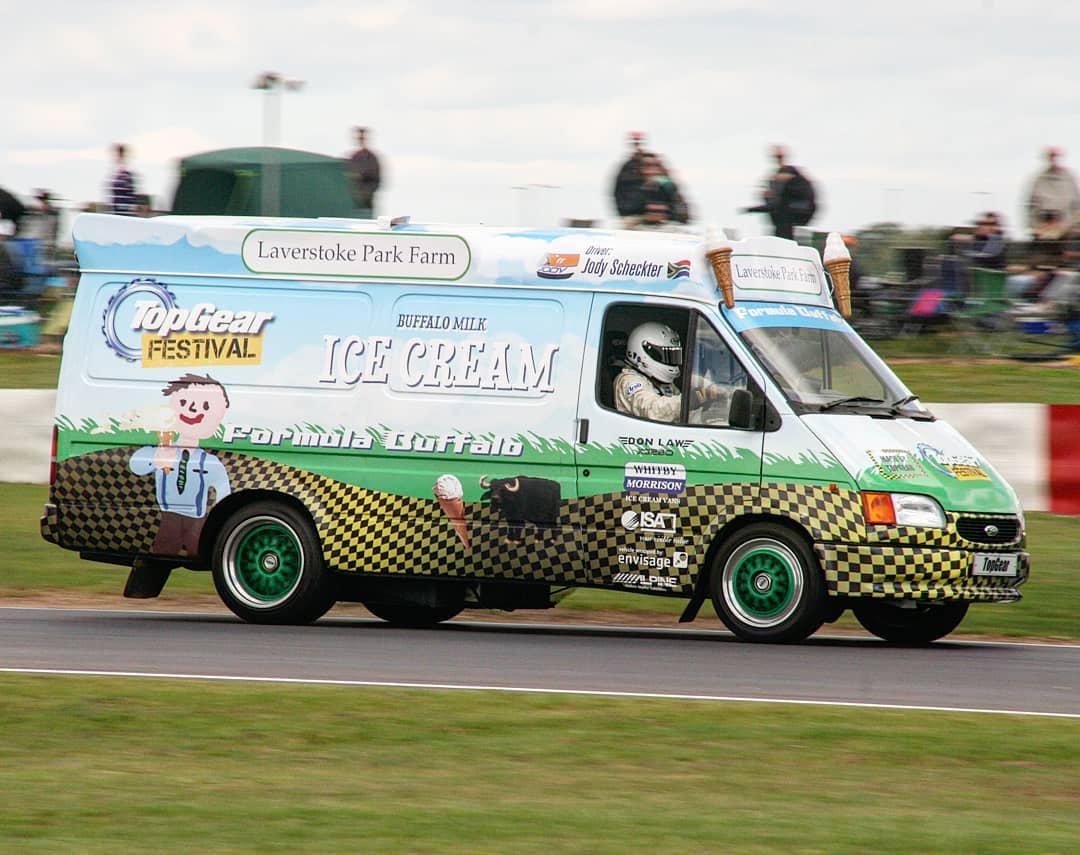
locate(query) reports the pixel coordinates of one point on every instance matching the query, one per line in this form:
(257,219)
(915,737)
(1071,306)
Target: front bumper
(915,573)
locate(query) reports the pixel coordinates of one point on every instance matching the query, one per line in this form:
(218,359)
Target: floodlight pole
(272,83)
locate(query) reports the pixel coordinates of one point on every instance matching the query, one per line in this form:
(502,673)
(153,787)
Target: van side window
(642,355)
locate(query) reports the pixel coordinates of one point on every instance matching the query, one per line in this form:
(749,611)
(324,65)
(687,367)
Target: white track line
(224,678)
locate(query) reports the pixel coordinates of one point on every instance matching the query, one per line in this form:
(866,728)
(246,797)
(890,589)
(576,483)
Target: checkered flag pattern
(103,506)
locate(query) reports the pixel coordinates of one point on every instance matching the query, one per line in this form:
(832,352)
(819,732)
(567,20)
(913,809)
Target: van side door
(657,490)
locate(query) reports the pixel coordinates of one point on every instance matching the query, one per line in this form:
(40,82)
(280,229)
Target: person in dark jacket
(628,179)
(365,174)
(986,247)
(654,201)
(122,189)
(788,199)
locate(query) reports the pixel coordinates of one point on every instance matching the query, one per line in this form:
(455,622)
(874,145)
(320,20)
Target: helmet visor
(663,355)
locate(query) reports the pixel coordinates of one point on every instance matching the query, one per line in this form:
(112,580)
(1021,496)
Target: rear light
(52,456)
(878,508)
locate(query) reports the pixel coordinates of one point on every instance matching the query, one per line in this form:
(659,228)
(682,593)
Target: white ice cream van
(428,418)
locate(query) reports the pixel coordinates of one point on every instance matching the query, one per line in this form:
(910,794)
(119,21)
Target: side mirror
(741,409)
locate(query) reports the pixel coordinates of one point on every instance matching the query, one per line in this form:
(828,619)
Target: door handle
(582,431)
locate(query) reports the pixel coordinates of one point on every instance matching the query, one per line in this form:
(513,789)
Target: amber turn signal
(878,508)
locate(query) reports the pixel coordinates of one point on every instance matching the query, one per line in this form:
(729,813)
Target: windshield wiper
(920,415)
(851,399)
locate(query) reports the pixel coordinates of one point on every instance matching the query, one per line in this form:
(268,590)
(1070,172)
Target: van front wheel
(412,616)
(268,566)
(917,623)
(767,586)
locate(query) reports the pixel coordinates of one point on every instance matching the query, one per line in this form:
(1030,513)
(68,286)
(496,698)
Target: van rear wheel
(767,586)
(919,623)
(268,566)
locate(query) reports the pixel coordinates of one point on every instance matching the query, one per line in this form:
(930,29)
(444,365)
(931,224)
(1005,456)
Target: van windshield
(822,370)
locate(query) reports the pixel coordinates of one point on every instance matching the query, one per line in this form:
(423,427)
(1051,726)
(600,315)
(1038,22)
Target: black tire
(766,585)
(926,622)
(412,615)
(268,566)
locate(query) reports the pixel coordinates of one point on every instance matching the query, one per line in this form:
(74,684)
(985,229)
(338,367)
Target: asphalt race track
(961,675)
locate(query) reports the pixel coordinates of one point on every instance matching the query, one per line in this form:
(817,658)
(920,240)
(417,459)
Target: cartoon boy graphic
(184,474)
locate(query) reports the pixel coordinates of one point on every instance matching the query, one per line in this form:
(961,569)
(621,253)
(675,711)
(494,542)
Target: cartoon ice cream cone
(718,251)
(837,261)
(450,493)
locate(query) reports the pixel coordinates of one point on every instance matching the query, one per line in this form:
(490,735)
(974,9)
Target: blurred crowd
(1038,273)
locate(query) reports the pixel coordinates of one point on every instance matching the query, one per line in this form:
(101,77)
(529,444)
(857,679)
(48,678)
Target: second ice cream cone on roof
(837,260)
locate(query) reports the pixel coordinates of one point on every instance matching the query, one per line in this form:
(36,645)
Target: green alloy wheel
(767,586)
(268,566)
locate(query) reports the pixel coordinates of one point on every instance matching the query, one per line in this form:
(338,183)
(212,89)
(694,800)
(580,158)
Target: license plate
(994,565)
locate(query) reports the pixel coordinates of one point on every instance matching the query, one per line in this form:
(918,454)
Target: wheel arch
(732,526)
(222,510)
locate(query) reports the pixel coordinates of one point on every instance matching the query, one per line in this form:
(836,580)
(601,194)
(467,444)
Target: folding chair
(981,318)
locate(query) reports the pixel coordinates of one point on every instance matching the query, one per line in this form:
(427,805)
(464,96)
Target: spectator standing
(788,198)
(628,178)
(654,201)
(10,276)
(11,207)
(45,225)
(1054,200)
(122,184)
(364,174)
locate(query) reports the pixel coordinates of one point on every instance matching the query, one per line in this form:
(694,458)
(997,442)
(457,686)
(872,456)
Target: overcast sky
(925,112)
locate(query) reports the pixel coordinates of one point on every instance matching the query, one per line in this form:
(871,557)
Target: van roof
(764,269)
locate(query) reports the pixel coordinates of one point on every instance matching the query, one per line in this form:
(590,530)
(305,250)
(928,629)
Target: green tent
(264,181)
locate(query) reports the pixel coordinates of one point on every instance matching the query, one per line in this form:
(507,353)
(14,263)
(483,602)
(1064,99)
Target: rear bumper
(916,573)
(50,524)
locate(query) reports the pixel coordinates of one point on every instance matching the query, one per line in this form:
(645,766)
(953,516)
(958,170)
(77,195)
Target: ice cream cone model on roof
(718,251)
(837,261)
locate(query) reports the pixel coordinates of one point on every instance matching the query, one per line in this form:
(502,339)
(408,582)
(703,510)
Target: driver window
(715,375)
(663,364)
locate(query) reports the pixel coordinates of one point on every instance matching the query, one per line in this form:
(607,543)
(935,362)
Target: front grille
(974,529)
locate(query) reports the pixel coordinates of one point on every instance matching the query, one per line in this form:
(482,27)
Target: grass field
(31,567)
(105,765)
(28,370)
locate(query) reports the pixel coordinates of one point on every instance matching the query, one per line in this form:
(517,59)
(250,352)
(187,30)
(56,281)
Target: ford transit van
(426,418)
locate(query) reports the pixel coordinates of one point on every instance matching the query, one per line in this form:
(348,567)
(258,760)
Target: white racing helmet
(654,349)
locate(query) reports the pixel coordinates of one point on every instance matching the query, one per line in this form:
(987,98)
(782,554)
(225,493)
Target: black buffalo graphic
(521,501)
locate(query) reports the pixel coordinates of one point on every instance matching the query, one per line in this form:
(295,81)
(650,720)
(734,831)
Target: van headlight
(911,509)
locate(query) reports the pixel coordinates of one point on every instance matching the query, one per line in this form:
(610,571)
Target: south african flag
(678,269)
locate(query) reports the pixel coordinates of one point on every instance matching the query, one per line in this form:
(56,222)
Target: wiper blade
(921,415)
(851,399)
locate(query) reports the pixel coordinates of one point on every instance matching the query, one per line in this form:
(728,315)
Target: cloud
(468,100)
